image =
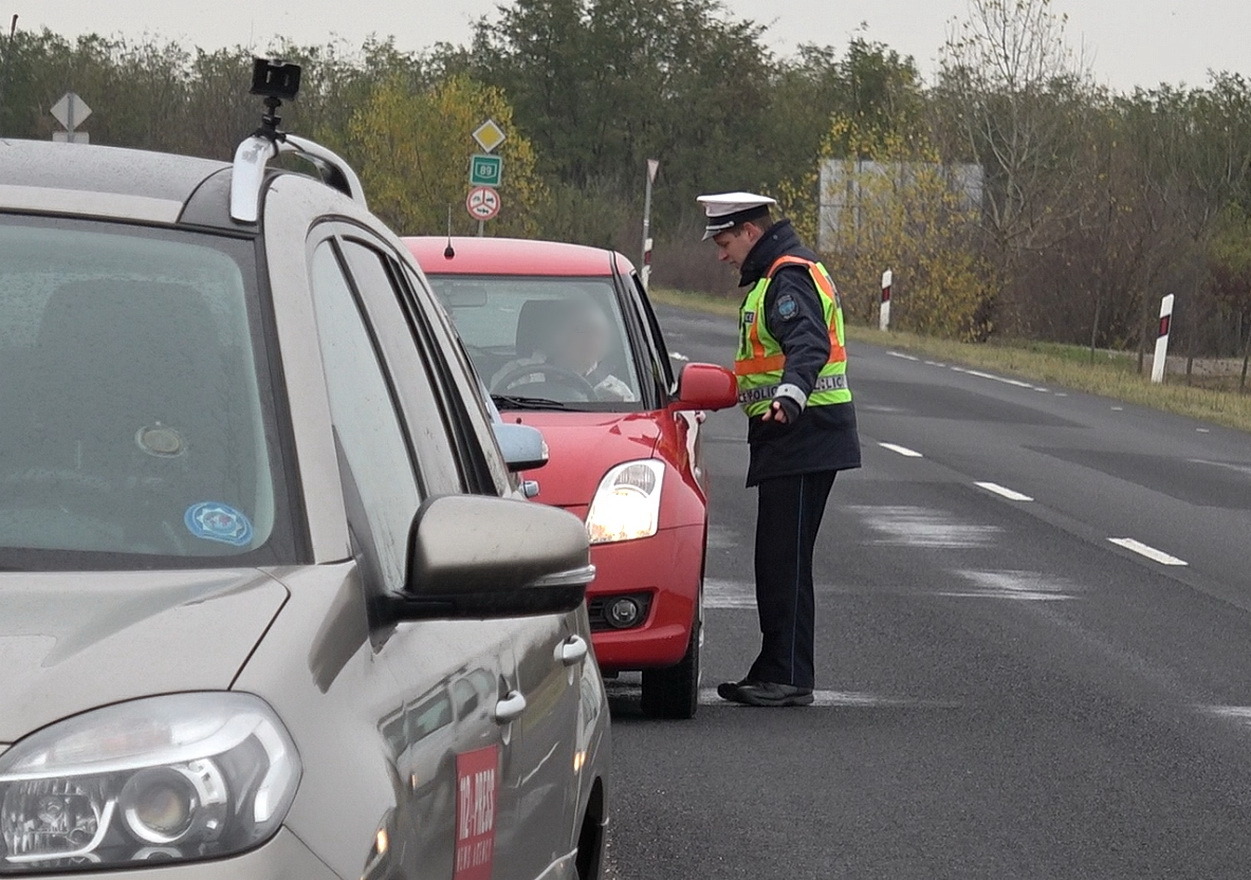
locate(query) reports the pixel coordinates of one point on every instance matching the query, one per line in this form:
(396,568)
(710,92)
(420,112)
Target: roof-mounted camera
(277,81)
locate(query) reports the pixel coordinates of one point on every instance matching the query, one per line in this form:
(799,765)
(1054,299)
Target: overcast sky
(1130,42)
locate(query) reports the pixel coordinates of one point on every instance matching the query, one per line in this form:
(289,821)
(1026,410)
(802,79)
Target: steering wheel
(553,373)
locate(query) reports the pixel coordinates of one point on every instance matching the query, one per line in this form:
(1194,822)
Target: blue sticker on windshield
(214,521)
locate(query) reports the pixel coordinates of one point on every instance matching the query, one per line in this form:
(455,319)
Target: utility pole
(8,60)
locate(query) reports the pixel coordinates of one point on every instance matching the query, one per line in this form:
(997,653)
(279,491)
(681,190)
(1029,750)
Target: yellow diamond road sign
(489,135)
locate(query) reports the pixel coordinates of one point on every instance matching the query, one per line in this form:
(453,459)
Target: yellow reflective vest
(760,363)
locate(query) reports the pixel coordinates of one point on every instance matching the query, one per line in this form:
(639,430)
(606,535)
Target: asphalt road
(1004,692)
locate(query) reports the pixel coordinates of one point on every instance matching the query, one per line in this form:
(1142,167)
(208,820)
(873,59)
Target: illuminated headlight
(173,778)
(627,503)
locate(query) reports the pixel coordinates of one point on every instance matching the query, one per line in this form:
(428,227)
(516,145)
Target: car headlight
(627,503)
(172,778)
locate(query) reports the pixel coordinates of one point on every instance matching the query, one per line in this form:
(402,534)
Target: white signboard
(71,111)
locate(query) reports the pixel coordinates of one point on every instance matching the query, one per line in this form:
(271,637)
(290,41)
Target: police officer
(792,378)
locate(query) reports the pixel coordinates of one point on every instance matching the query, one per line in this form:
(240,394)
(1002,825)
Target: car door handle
(572,650)
(510,707)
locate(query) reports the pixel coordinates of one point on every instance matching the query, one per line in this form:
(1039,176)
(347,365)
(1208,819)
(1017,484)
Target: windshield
(136,428)
(556,343)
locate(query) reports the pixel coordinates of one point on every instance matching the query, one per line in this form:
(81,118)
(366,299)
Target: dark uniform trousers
(788,519)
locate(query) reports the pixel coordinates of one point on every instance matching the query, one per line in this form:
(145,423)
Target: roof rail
(335,170)
(276,80)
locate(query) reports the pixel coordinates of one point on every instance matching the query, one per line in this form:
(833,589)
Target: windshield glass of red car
(545,342)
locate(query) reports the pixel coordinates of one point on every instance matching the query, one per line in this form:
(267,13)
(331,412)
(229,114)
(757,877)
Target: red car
(566,341)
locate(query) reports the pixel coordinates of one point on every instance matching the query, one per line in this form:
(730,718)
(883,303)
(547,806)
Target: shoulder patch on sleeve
(787,308)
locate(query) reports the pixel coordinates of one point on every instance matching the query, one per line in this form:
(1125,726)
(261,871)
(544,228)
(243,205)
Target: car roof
(105,170)
(117,183)
(513,256)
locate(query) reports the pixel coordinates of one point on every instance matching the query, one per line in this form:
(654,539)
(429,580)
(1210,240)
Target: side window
(464,385)
(368,430)
(657,338)
(420,388)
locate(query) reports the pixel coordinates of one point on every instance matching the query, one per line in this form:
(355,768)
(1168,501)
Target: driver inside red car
(575,341)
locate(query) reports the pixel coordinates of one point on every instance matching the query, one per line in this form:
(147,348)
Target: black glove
(791,407)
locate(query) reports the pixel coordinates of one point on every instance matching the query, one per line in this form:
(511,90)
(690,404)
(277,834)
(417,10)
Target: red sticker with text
(477,784)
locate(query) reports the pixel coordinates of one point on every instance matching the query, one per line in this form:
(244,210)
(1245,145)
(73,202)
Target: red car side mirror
(705,386)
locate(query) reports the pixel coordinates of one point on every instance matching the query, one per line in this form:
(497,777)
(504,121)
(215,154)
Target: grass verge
(1110,375)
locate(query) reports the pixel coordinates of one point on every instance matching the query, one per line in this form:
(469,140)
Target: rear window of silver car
(136,427)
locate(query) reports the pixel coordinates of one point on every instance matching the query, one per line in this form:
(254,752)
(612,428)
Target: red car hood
(583,447)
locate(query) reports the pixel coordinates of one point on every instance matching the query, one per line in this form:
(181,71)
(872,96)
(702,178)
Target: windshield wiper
(513,401)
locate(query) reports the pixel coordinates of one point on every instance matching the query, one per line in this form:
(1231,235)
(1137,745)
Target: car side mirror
(705,386)
(522,446)
(480,557)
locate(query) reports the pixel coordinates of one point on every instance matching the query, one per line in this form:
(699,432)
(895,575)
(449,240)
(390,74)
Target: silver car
(271,603)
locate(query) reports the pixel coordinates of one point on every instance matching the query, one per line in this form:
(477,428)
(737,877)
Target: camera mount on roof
(275,81)
(278,81)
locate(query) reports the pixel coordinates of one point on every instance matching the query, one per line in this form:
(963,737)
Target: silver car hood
(72,641)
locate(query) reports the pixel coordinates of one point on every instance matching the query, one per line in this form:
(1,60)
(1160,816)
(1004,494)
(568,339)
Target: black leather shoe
(764,693)
(728,690)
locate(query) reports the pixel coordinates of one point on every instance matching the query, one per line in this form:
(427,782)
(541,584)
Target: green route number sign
(485,170)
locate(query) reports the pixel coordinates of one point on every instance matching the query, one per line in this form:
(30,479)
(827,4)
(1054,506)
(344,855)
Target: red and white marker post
(645,271)
(1161,339)
(888,278)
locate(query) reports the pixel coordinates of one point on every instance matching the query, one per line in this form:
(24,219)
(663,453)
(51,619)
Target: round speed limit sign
(483,203)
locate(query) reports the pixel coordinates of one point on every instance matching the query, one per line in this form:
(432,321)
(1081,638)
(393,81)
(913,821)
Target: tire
(673,693)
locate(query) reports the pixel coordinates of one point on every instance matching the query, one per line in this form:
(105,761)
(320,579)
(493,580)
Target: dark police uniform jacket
(824,438)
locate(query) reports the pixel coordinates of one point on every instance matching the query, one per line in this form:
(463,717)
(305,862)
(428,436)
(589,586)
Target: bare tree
(1016,94)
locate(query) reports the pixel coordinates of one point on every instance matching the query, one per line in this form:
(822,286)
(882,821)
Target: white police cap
(727,210)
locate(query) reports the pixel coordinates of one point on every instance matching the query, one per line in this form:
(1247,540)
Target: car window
(477,412)
(467,697)
(557,340)
(418,383)
(431,714)
(368,431)
(138,414)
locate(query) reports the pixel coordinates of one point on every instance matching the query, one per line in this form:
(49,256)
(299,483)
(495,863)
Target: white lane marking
(1229,466)
(901,450)
(1150,552)
(900,354)
(851,699)
(1061,394)
(728,594)
(1203,430)
(1004,379)
(678,356)
(1020,586)
(1118,409)
(1236,713)
(722,537)
(1004,491)
(921,527)
(740,595)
